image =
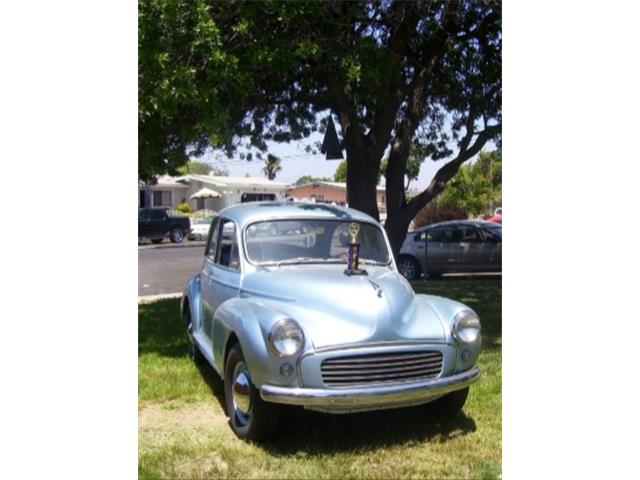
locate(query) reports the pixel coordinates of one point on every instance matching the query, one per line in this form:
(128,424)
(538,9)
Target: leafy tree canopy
(309,179)
(477,187)
(239,73)
(272,165)
(201,168)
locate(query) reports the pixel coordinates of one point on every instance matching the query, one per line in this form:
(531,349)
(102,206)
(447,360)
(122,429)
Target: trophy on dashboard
(354,251)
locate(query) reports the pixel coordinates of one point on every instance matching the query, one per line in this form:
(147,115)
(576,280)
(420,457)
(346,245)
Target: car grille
(381,368)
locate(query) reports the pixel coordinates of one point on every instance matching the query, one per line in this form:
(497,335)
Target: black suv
(157,223)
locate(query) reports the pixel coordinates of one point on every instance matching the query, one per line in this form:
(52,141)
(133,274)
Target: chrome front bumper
(345,400)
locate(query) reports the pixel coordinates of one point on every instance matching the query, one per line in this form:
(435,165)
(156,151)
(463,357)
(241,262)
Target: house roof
(234,182)
(335,185)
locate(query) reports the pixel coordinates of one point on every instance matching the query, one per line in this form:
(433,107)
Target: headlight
(286,338)
(466,327)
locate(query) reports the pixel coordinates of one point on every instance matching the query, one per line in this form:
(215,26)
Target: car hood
(335,309)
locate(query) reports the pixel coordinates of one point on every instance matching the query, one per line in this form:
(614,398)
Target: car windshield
(280,242)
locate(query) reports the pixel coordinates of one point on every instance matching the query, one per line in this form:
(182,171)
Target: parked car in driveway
(157,223)
(462,246)
(285,321)
(200,228)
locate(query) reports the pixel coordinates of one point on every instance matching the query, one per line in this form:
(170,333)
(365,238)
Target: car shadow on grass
(303,432)
(214,382)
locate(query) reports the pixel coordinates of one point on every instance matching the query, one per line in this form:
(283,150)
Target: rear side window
(157,214)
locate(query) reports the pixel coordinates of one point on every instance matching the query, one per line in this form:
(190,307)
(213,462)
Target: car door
(492,249)
(468,250)
(439,251)
(157,226)
(143,223)
(220,276)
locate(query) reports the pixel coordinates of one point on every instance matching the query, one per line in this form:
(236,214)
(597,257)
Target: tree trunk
(396,227)
(362,174)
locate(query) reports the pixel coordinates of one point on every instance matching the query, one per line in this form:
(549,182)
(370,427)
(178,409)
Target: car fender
(251,320)
(191,294)
(447,309)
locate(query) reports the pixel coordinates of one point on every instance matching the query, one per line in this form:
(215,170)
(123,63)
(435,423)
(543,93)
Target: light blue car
(284,319)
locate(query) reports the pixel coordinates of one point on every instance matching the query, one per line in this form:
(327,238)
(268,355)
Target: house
(220,191)
(331,192)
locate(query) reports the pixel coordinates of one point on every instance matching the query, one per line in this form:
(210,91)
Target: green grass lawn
(183,431)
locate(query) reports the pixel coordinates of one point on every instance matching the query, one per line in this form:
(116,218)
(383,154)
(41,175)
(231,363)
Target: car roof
(250,212)
(451,223)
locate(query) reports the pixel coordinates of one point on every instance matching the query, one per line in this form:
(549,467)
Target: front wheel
(251,418)
(409,267)
(176,235)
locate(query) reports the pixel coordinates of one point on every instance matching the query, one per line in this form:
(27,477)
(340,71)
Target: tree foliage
(201,168)
(309,179)
(340,175)
(272,165)
(477,187)
(394,73)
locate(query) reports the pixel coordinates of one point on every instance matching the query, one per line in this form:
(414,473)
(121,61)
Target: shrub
(434,213)
(184,208)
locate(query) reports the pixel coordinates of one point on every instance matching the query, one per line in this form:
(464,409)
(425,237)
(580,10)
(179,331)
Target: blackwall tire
(176,235)
(409,267)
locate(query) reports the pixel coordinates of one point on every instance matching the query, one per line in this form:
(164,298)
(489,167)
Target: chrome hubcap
(241,393)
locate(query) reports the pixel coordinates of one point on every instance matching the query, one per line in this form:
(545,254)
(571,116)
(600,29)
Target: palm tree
(271,166)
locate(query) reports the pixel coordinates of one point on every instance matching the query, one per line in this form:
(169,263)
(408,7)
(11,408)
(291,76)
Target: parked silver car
(289,316)
(455,246)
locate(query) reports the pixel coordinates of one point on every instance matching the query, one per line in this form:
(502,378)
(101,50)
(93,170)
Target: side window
(228,255)
(491,235)
(213,240)
(466,233)
(157,214)
(439,235)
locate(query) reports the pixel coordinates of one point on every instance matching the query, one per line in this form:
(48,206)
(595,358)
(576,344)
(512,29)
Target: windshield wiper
(366,261)
(298,260)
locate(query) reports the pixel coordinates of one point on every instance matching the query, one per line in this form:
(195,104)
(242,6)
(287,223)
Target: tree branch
(447,172)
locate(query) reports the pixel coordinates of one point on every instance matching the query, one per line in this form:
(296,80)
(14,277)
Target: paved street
(166,268)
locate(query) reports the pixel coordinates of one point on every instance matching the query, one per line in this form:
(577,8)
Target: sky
(296,163)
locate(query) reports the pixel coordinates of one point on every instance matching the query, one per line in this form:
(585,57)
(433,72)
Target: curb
(175,245)
(160,296)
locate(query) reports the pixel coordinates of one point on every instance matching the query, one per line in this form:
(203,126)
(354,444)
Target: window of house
(162,198)
(318,196)
(200,204)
